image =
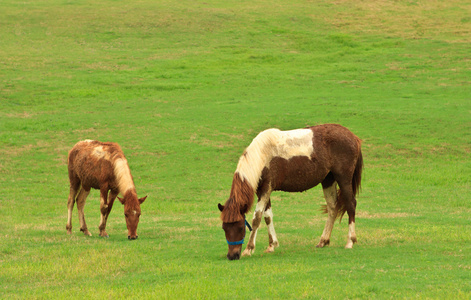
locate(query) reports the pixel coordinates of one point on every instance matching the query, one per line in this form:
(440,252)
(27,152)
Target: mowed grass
(184,87)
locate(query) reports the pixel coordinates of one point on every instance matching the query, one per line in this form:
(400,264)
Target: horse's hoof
(349,245)
(247,252)
(270,249)
(322,244)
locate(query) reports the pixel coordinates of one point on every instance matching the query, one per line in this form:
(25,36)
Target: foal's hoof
(105,235)
(86,232)
(322,244)
(270,249)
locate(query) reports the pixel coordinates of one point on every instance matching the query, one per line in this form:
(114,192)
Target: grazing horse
(293,161)
(102,166)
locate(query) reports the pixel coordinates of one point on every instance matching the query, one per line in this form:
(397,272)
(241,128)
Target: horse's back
(92,162)
(336,138)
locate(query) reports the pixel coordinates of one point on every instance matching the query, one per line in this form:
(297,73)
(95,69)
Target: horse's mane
(240,200)
(123,174)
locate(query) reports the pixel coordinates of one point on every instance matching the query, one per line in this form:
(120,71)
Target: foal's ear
(121,200)
(142,200)
(221,207)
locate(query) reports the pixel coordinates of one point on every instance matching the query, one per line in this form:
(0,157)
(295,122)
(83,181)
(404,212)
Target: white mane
(273,143)
(123,175)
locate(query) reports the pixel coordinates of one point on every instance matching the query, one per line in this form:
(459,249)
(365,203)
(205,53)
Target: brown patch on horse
(267,220)
(240,200)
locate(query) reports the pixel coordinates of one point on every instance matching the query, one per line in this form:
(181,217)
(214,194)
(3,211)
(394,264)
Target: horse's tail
(356,181)
(356,184)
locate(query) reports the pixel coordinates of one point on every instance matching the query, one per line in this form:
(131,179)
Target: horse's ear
(121,200)
(142,200)
(221,207)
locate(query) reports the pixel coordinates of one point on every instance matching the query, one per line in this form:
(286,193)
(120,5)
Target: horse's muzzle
(132,238)
(235,256)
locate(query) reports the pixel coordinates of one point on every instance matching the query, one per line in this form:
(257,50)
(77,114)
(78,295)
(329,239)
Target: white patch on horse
(351,235)
(123,175)
(101,153)
(269,144)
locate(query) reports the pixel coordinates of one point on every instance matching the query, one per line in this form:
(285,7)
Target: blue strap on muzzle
(241,241)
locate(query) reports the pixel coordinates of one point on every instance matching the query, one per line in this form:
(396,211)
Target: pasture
(184,87)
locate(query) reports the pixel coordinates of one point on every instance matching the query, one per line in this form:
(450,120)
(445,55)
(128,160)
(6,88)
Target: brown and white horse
(102,166)
(293,161)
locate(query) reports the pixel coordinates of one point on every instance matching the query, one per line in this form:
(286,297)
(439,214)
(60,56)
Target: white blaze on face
(273,143)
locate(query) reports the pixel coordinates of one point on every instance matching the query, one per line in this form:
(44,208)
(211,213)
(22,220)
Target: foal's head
(132,212)
(235,234)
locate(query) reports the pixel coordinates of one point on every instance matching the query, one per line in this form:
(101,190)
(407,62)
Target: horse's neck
(252,163)
(123,176)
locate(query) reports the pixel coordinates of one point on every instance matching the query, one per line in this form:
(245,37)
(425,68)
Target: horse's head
(235,234)
(132,212)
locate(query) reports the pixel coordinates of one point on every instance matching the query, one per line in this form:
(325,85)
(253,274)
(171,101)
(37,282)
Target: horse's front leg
(272,239)
(105,208)
(257,218)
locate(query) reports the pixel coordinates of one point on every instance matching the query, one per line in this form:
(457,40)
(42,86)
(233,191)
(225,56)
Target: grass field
(183,87)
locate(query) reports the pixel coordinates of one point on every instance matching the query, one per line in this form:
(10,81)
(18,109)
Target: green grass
(183,87)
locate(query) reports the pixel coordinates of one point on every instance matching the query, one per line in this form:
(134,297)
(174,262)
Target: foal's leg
(272,239)
(257,218)
(330,194)
(70,205)
(105,208)
(82,196)
(350,204)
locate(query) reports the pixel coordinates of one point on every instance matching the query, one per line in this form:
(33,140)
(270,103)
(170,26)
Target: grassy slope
(184,87)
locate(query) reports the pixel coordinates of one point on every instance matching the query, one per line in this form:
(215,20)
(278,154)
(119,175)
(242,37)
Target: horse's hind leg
(70,206)
(74,189)
(330,193)
(348,198)
(272,239)
(82,196)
